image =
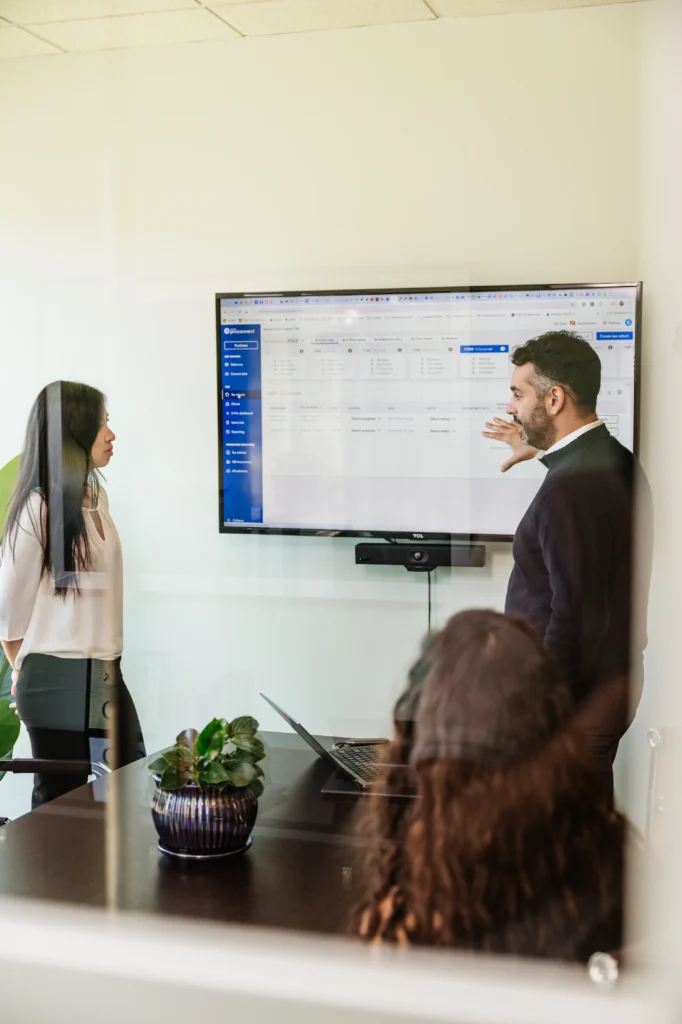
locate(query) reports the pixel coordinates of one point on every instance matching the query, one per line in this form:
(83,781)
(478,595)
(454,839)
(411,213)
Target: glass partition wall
(340,358)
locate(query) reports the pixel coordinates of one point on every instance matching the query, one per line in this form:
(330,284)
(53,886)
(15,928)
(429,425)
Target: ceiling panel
(275,17)
(14,42)
(36,12)
(137,30)
(474,8)
(107,24)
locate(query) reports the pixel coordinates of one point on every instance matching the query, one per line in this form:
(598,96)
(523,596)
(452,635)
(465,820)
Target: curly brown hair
(510,845)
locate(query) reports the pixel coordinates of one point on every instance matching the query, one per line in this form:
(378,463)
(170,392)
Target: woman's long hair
(518,852)
(57,463)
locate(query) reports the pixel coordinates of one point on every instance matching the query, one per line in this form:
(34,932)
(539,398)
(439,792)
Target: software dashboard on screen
(361,413)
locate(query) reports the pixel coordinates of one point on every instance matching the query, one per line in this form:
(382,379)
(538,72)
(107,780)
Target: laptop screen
(297,727)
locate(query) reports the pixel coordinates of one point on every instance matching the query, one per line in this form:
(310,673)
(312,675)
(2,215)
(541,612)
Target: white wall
(136,184)
(661,221)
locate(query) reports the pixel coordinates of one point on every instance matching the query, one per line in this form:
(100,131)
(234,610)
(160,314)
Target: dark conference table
(298,873)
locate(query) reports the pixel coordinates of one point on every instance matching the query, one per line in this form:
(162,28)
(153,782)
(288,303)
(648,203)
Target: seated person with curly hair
(509,844)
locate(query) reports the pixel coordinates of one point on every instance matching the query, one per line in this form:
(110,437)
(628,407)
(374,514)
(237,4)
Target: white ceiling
(33,27)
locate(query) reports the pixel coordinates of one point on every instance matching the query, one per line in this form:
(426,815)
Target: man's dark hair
(565,359)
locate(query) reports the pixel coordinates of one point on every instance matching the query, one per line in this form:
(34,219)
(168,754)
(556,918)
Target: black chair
(30,765)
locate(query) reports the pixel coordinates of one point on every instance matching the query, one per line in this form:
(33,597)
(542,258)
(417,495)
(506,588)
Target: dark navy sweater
(573,560)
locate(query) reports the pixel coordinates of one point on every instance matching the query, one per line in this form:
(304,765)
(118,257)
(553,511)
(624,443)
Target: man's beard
(538,431)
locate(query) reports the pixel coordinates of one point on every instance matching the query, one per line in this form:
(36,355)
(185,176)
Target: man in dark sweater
(574,548)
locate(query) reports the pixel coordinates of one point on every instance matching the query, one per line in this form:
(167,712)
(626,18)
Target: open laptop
(357,760)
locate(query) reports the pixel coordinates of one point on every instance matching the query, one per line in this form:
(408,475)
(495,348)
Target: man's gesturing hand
(510,433)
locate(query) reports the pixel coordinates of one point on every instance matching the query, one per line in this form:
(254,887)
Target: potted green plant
(207,789)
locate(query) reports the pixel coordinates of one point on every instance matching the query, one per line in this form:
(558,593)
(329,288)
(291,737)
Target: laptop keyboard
(364,761)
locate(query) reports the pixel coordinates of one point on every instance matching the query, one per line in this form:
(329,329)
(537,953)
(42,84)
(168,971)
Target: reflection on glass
(375,404)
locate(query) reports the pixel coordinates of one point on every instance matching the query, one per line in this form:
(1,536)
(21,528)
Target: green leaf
(181,758)
(239,757)
(244,725)
(213,774)
(243,755)
(212,737)
(187,738)
(10,727)
(241,774)
(8,482)
(159,766)
(256,788)
(5,677)
(251,744)
(172,779)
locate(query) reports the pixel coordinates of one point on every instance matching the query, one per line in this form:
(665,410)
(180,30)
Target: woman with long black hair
(61,616)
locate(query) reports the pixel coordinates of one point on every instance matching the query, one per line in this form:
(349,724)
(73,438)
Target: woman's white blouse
(88,624)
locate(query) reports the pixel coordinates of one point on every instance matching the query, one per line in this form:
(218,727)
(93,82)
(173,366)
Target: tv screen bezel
(396,535)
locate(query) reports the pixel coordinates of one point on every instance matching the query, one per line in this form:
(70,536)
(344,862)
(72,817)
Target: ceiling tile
(473,8)
(275,17)
(36,12)
(14,42)
(137,30)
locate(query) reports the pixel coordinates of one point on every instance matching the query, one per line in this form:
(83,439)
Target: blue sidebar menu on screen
(241,423)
